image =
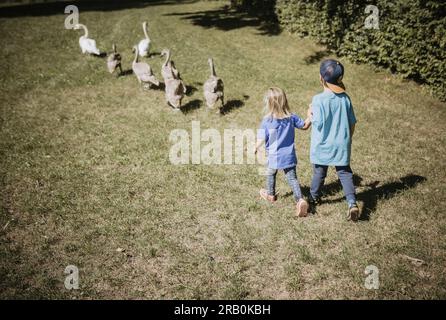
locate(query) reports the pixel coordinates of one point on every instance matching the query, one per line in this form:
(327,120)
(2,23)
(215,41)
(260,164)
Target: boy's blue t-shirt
(333,116)
(279,140)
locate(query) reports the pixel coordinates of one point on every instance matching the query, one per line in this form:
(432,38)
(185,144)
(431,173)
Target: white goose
(213,88)
(114,61)
(143,72)
(87,45)
(144,44)
(168,69)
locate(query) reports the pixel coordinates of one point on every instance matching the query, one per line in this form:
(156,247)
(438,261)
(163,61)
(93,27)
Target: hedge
(410,41)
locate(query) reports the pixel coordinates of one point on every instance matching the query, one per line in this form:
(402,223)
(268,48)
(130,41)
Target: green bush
(410,40)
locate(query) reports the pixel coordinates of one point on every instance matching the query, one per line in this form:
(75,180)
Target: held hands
(308,119)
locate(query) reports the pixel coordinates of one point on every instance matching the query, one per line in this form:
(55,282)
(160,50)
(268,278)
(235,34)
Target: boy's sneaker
(264,194)
(313,203)
(353,212)
(302,208)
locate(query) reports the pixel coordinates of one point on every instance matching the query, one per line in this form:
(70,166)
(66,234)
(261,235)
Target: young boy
(333,124)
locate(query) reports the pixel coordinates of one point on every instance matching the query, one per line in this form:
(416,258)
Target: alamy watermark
(212,147)
(73,16)
(72,279)
(372,277)
(372,20)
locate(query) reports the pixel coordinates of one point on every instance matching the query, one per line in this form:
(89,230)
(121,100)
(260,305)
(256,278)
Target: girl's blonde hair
(276,104)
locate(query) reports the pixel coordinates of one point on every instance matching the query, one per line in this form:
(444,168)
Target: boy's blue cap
(332,72)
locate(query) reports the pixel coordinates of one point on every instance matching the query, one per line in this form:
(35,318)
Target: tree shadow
(316,57)
(57,7)
(227,18)
(191,106)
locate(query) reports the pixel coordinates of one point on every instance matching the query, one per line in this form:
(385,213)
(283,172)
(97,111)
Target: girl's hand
(307,123)
(259,143)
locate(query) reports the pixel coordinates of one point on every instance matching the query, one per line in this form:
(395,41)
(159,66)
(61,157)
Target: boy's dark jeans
(345,175)
(290,174)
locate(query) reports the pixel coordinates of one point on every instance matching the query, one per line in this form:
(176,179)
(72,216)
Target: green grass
(85,169)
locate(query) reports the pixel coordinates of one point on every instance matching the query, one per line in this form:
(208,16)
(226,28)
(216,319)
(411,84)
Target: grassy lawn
(85,171)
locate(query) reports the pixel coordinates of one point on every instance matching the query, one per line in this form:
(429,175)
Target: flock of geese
(175,88)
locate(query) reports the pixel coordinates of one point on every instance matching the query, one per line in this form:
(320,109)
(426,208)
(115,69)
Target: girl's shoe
(302,208)
(353,213)
(264,194)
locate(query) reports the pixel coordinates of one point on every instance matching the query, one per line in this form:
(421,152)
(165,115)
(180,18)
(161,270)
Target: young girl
(277,132)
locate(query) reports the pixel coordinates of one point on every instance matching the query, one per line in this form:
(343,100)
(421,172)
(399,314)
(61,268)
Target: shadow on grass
(191,106)
(372,195)
(126,73)
(51,7)
(328,189)
(233,104)
(227,18)
(160,87)
(190,90)
(316,57)
(154,54)
(101,55)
